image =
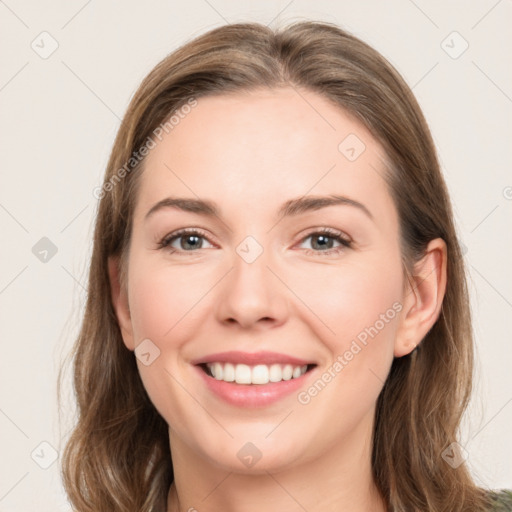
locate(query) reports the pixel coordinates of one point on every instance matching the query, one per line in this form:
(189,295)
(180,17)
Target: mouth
(244,379)
(260,374)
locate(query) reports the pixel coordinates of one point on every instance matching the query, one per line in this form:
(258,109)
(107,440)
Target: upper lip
(251,358)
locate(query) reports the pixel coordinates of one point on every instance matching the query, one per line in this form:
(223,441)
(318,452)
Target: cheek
(165,304)
(163,299)
(359,308)
(351,296)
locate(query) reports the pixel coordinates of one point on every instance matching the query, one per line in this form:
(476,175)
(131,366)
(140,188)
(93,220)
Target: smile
(260,379)
(258,374)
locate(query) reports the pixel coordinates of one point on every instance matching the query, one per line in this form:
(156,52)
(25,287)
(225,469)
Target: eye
(188,241)
(323,242)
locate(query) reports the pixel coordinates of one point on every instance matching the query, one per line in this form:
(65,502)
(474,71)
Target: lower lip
(253,395)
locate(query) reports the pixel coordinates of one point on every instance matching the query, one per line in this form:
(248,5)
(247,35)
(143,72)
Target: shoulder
(501,501)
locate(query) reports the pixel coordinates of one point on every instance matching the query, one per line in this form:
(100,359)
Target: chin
(254,454)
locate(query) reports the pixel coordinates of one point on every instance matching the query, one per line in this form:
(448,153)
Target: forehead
(255,149)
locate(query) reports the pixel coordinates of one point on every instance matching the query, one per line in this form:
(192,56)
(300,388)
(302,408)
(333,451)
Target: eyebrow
(291,207)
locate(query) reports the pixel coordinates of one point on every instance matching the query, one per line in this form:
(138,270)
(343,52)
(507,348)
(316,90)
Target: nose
(252,296)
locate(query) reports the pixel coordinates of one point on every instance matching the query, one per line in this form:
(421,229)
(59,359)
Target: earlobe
(119,297)
(423,298)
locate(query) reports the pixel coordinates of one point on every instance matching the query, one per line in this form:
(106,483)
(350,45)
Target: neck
(339,479)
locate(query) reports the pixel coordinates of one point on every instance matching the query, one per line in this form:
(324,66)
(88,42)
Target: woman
(278,316)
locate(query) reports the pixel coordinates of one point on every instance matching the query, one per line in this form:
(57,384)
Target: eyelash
(330,233)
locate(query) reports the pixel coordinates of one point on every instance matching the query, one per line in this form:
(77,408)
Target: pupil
(187,240)
(324,238)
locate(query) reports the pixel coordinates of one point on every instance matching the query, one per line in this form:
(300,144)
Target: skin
(249,152)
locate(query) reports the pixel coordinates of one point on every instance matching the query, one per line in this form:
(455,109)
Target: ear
(120,302)
(423,298)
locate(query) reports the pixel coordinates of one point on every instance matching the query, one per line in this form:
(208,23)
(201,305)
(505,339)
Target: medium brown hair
(118,455)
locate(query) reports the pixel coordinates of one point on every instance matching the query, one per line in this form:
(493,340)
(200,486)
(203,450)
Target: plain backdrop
(68,71)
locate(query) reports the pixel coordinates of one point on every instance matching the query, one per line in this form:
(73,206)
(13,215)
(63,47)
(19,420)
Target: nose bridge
(251,261)
(251,292)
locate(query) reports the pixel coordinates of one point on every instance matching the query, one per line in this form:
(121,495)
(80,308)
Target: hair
(118,456)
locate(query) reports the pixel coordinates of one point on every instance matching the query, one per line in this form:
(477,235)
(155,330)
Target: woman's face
(260,285)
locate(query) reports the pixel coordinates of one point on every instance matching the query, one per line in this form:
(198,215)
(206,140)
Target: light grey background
(59,118)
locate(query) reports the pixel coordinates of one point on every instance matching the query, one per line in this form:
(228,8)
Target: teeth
(218,371)
(259,374)
(287,372)
(275,373)
(229,372)
(242,374)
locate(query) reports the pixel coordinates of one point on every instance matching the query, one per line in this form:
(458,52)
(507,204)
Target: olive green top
(501,501)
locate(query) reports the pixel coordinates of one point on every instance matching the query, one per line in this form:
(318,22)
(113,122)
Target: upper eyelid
(184,232)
